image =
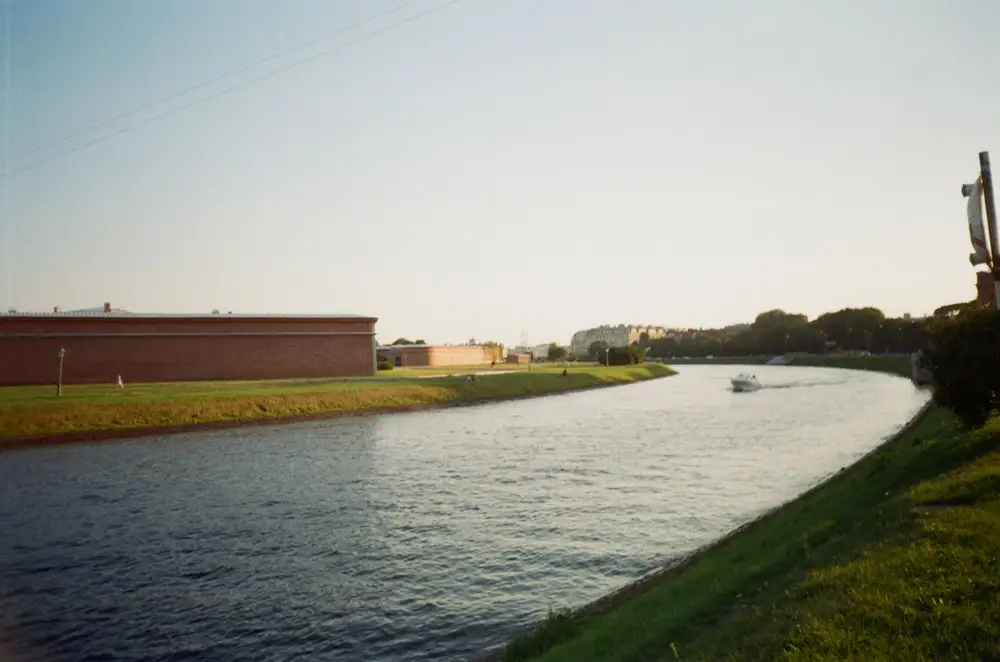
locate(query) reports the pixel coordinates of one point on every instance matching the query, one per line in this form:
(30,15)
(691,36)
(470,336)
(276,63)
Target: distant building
(622,335)
(439,355)
(514,357)
(541,351)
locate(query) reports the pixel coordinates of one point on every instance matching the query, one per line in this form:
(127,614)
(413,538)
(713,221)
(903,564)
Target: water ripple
(424,536)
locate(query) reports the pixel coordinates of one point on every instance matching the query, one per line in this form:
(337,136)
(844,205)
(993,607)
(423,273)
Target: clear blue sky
(501,164)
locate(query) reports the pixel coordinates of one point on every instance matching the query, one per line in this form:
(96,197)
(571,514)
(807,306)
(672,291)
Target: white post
(62,354)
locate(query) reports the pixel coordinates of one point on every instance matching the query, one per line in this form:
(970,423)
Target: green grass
(721,360)
(848,571)
(27,412)
(895,558)
(897,364)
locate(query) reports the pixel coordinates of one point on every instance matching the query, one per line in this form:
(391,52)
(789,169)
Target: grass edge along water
(895,557)
(34,415)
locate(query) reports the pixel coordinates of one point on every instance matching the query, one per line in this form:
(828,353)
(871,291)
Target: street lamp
(607,356)
(62,355)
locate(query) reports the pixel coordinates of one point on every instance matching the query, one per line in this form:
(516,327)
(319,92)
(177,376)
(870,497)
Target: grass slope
(35,411)
(896,364)
(895,558)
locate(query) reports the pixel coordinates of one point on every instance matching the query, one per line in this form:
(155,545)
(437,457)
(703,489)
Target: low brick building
(439,355)
(161,348)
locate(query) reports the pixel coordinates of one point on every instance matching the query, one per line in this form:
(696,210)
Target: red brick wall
(26,358)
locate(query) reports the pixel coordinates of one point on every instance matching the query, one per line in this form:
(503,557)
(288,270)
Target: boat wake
(804,384)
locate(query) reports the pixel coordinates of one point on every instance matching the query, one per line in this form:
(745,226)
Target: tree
(777,332)
(557,353)
(596,351)
(774,330)
(420,341)
(963,355)
(954,308)
(495,350)
(851,328)
(663,347)
(623,356)
(402,341)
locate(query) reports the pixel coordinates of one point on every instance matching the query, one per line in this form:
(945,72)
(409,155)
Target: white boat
(744,382)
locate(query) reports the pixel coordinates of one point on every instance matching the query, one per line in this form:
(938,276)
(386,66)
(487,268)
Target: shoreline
(121,434)
(665,571)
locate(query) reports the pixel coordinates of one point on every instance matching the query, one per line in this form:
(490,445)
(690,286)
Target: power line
(234,88)
(206,83)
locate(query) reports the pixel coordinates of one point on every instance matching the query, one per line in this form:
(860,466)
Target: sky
(483,168)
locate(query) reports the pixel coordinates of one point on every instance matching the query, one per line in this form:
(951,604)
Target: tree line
(780,332)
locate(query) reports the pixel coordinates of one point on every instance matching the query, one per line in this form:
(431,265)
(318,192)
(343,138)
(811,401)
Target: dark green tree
(963,355)
(596,350)
(557,352)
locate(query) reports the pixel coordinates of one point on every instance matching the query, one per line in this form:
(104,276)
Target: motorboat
(744,382)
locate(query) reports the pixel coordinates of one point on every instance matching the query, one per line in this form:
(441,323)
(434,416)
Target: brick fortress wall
(98,349)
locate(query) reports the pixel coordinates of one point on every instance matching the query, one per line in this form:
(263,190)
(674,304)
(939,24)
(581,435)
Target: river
(421,536)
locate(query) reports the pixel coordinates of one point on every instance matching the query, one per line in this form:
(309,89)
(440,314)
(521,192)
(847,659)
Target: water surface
(423,536)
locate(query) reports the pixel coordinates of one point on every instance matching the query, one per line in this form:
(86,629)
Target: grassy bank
(35,412)
(721,360)
(895,558)
(896,364)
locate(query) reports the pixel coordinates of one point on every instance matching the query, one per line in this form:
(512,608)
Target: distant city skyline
(472,168)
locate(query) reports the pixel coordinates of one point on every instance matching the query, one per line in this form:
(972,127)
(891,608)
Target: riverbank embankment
(893,558)
(36,415)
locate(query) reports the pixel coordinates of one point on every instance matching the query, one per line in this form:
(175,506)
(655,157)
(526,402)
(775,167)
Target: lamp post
(607,357)
(62,355)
